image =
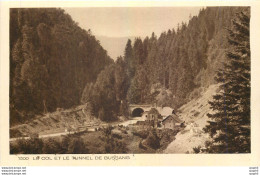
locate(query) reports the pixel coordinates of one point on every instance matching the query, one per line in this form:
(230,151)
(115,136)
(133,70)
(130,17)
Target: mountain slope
(56,122)
(181,60)
(194,113)
(51,61)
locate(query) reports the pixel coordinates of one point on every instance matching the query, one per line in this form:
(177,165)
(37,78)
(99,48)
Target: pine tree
(128,57)
(128,54)
(230,124)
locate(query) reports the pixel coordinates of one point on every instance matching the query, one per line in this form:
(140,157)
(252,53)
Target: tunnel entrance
(137,112)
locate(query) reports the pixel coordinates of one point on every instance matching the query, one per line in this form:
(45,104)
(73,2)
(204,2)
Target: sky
(130,21)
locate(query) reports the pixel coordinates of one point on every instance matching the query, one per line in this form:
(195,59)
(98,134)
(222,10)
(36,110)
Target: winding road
(92,129)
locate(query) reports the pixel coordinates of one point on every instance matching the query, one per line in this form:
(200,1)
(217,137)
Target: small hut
(171,122)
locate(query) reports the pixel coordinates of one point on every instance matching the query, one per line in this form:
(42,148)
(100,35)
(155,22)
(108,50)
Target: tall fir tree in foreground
(230,120)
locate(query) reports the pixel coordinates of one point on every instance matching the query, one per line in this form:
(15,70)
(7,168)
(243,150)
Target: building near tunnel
(171,122)
(151,116)
(154,117)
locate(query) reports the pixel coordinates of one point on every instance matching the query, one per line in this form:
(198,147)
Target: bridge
(136,110)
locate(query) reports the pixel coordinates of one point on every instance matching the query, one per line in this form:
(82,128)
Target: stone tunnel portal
(137,112)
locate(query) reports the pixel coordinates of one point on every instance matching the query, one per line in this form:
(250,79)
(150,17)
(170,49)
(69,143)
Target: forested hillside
(183,61)
(51,60)
(168,70)
(56,64)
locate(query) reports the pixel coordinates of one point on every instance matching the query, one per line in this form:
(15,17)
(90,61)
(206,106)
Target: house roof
(174,117)
(166,111)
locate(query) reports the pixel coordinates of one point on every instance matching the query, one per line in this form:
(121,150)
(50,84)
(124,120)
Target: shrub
(153,140)
(124,131)
(115,146)
(197,149)
(142,133)
(77,146)
(111,142)
(141,145)
(29,146)
(64,144)
(196,114)
(116,135)
(107,131)
(51,146)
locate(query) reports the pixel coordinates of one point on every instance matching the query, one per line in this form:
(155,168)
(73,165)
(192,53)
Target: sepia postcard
(130,83)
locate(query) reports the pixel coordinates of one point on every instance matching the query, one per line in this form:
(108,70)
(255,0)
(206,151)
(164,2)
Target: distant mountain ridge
(115,46)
